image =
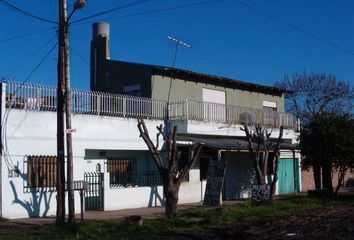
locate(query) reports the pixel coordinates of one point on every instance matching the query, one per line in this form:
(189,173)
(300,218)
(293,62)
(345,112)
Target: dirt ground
(330,222)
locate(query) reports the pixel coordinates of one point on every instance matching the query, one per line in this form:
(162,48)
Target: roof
(234,144)
(209,79)
(217,80)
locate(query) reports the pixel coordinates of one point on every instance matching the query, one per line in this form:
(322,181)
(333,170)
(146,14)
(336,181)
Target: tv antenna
(177,43)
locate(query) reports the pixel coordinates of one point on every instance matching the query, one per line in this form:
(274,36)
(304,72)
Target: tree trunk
(341,175)
(317,176)
(275,176)
(327,177)
(171,195)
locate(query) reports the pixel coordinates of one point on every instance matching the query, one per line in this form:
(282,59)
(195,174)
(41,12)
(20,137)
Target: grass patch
(193,220)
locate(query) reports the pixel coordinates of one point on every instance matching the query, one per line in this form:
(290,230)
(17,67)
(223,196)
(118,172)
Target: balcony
(34,97)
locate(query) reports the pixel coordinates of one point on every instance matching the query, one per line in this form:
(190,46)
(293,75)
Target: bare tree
(259,145)
(311,93)
(171,176)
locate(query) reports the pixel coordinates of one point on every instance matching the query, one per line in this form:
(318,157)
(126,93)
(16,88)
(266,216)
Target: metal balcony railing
(43,98)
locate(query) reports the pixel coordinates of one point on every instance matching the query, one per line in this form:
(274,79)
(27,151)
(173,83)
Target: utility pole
(69,130)
(60,178)
(64,98)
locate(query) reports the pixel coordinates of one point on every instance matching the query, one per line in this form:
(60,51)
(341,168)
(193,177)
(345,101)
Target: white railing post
(187,109)
(98,104)
(124,100)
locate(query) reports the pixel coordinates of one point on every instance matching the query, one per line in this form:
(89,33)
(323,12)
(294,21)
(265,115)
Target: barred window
(121,172)
(41,171)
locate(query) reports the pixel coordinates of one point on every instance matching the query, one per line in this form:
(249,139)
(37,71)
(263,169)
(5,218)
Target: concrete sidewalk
(145,212)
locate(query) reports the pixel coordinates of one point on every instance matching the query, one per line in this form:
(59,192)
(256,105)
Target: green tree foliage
(327,142)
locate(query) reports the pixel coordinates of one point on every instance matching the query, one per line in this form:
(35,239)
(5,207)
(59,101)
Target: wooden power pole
(60,177)
(64,98)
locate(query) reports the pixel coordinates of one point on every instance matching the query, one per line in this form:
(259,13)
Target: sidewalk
(145,212)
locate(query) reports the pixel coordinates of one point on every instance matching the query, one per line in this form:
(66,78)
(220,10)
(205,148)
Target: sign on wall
(261,194)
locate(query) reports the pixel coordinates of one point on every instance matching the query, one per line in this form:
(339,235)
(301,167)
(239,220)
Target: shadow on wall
(155,197)
(38,198)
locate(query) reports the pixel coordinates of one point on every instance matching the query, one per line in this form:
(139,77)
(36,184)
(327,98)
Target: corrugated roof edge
(218,80)
(211,79)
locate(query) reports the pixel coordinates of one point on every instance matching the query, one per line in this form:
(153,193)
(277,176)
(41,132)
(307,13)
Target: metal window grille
(122,173)
(41,172)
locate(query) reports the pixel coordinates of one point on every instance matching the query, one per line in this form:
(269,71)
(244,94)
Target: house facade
(108,152)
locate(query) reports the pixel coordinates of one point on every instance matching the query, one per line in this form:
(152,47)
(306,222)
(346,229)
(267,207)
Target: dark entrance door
(94,194)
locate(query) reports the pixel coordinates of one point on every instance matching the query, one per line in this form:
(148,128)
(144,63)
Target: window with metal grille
(41,171)
(123,173)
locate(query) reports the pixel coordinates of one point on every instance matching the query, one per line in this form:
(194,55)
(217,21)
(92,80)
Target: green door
(288,176)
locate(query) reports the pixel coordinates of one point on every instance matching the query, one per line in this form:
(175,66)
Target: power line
(30,57)
(19,10)
(80,56)
(112,10)
(37,66)
(7,156)
(163,9)
(294,27)
(25,35)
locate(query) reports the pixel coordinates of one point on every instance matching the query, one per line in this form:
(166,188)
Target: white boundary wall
(34,133)
(26,132)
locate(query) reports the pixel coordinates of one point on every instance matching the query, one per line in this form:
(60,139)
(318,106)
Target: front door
(94,194)
(288,176)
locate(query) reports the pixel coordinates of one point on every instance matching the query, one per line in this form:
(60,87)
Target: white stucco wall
(34,133)
(220,129)
(27,132)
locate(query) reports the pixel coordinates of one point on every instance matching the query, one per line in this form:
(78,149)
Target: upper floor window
(269,106)
(132,90)
(213,96)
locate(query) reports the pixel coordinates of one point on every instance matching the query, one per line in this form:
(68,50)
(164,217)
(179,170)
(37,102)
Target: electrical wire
(21,11)
(159,10)
(25,35)
(80,56)
(29,58)
(167,9)
(294,27)
(4,147)
(112,10)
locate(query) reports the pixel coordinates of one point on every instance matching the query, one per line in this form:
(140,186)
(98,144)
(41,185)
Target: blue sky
(228,38)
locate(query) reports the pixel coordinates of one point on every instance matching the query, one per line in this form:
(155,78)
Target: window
(121,172)
(183,160)
(132,90)
(41,171)
(204,167)
(269,113)
(214,105)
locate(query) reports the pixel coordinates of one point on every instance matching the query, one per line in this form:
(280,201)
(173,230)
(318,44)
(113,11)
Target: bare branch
(152,148)
(160,129)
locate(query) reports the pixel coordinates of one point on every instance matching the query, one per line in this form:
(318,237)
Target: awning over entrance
(228,144)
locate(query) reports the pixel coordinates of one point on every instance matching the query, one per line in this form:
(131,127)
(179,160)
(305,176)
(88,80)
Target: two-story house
(210,105)
(107,149)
